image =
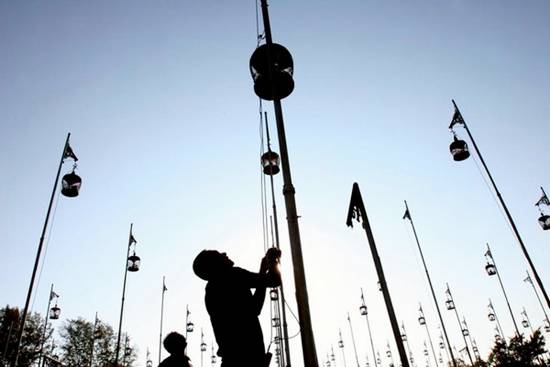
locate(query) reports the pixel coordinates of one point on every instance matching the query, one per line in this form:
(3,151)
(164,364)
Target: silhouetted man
(175,344)
(232,307)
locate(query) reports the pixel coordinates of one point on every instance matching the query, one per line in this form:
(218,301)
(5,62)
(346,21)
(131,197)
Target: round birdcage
(450,304)
(274,294)
(203,347)
(525,323)
(340,343)
(272,67)
(491,316)
(190,327)
(544,221)
(363,310)
(55,312)
(490,269)
(459,150)
(70,185)
(270,163)
(422,320)
(134,262)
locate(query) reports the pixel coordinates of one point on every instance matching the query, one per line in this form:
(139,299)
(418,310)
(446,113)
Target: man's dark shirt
(175,361)
(234,314)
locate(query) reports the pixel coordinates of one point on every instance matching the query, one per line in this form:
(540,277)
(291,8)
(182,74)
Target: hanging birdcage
(425,352)
(203,347)
(544,221)
(490,269)
(270,163)
(363,310)
(190,327)
(213,359)
(388,353)
(525,323)
(70,184)
(55,312)
(459,149)
(422,320)
(465,332)
(149,363)
(274,294)
(340,343)
(450,304)
(498,338)
(404,337)
(491,316)
(272,67)
(275,322)
(134,262)
(441,345)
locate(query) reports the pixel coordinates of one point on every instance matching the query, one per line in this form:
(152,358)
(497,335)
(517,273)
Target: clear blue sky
(159,101)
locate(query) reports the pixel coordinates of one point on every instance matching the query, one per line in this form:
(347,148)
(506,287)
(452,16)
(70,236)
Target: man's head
(175,343)
(210,263)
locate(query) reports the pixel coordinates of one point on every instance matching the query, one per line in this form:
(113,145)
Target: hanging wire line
(37,284)
(483,175)
(259,36)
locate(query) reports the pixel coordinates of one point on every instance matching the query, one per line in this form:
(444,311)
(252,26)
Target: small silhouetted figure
(232,307)
(175,344)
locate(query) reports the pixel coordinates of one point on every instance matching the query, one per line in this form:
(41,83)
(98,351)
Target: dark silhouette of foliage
(519,352)
(76,345)
(31,342)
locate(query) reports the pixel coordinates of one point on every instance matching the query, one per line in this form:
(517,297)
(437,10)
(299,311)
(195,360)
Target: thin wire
(37,284)
(493,194)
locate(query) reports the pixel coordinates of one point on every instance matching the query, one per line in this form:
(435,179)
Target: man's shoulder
(172,361)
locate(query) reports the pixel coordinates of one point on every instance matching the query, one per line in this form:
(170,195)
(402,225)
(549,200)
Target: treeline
(81,342)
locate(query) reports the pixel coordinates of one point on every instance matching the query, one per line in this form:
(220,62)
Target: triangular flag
(69,153)
(457,118)
(407,214)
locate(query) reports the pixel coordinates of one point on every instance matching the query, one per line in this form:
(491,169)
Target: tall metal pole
(277,243)
(130,239)
(308,341)
(404,337)
(341,346)
(93,341)
(497,320)
(357,210)
(409,216)
(428,332)
(503,204)
(353,341)
(469,336)
(187,313)
(162,317)
(524,313)
(368,327)
(38,254)
(490,255)
(460,326)
(41,361)
(528,279)
(5,356)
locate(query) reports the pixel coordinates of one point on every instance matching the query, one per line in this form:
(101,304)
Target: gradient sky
(159,101)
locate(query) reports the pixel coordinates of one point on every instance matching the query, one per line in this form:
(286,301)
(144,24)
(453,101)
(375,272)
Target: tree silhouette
(31,343)
(519,352)
(77,336)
